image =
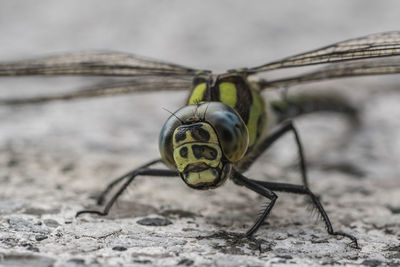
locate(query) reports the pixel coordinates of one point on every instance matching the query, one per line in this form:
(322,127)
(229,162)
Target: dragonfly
(225,124)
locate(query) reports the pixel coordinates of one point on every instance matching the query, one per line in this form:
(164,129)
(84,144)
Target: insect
(226,124)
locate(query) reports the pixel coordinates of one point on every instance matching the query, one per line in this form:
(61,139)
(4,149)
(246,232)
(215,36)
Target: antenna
(173,114)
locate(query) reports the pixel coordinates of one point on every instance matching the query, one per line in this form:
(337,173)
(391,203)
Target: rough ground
(55,158)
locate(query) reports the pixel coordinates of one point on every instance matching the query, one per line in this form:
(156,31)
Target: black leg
(269,140)
(260,189)
(145,172)
(102,196)
(299,189)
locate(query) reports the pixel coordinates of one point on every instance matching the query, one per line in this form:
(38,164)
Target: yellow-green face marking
(197,154)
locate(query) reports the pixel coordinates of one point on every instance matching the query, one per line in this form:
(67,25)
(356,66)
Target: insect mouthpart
(196,167)
(203,176)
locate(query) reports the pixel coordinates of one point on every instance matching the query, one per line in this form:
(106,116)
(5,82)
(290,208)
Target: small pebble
(119,248)
(142,261)
(287,257)
(40,237)
(186,262)
(371,263)
(154,221)
(77,261)
(51,223)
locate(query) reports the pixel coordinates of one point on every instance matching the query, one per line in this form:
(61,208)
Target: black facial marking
(180,134)
(197,151)
(199,134)
(183,152)
(204,152)
(210,153)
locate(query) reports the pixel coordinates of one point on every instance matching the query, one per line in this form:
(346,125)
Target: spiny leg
(275,135)
(145,172)
(101,197)
(260,189)
(269,140)
(299,189)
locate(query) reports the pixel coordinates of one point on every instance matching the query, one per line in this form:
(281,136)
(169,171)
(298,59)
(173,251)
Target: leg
(269,140)
(146,172)
(101,197)
(299,189)
(260,189)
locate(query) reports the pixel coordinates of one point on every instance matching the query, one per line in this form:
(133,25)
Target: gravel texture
(55,158)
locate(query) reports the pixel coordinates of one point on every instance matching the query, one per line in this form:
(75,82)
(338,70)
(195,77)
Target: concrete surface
(54,158)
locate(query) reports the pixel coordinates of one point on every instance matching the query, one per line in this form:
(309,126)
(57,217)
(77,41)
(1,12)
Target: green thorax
(234,90)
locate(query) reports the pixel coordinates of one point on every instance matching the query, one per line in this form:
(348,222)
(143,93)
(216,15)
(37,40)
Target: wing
(376,45)
(340,70)
(147,74)
(93,63)
(133,85)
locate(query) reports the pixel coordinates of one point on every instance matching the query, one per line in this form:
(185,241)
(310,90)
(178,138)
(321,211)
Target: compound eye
(232,132)
(165,140)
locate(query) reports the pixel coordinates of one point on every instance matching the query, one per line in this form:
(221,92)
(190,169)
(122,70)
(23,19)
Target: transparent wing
(340,70)
(93,63)
(375,45)
(137,84)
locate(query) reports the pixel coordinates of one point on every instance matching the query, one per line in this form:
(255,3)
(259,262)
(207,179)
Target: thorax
(236,91)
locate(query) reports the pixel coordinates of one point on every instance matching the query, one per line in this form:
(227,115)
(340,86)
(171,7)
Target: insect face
(197,154)
(201,142)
